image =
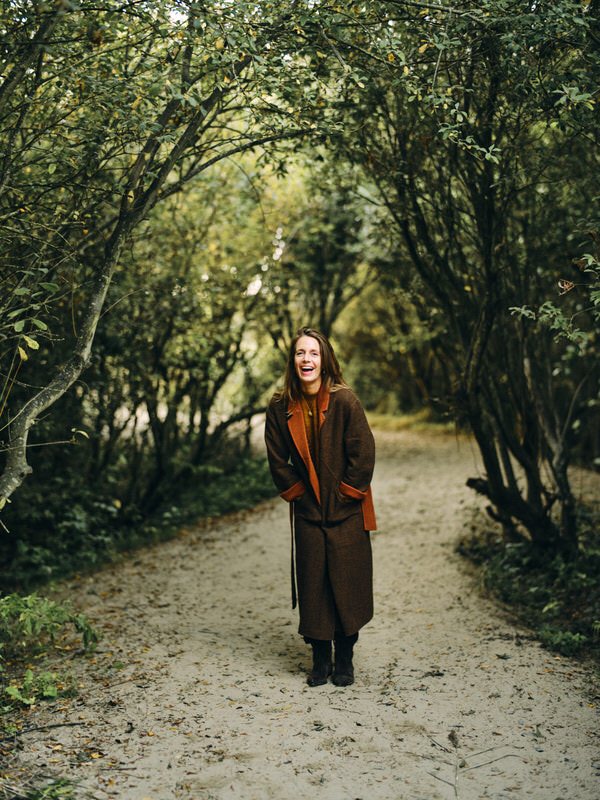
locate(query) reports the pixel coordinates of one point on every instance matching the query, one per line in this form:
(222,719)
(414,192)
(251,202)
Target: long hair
(331,373)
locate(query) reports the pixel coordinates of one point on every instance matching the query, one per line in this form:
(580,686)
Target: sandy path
(198,689)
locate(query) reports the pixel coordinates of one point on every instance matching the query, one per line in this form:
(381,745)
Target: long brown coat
(333,509)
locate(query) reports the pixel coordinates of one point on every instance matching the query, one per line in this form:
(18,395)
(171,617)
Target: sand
(198,689)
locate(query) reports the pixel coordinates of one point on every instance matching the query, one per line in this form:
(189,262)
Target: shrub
(558,597)
(25,621)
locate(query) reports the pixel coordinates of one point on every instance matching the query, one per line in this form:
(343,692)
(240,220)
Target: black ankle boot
(321,662)
(343,674)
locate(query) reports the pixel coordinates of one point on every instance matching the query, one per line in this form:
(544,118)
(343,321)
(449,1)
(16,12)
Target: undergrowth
(59,537)
(28,627)
(32,620)
(558,598)
(55,789)
(70,538)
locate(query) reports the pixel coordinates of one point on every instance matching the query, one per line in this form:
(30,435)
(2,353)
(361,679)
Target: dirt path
(198,688)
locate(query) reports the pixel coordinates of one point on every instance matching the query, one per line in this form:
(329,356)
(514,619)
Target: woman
(321,453)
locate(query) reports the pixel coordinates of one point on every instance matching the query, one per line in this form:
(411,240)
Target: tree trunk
(17,467)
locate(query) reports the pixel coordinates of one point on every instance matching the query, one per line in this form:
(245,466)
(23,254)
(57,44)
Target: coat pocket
(344,499)
(307,507)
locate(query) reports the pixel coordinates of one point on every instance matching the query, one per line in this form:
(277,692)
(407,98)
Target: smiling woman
(307,360)
(321,453)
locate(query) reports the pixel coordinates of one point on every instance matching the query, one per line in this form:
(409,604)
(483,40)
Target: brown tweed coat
(333,510)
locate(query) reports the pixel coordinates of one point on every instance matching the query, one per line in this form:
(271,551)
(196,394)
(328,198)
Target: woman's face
(307,360)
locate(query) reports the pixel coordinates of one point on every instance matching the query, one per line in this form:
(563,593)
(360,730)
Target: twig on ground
(429,758)
(443,780)
(495,747)
(11,791)
(125,680)
(346,710)
(491,761)
(456,768)
(443,746)
(41,728)
(120,769)
(460,762)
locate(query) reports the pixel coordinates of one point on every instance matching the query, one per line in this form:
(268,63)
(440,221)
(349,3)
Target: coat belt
(294,593)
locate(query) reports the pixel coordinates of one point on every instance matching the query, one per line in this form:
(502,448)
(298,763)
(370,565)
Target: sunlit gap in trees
(256,284)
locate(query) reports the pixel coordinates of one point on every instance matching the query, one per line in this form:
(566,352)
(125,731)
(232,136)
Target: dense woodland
(183,184)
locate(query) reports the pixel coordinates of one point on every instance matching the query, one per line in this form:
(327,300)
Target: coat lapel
(298,432)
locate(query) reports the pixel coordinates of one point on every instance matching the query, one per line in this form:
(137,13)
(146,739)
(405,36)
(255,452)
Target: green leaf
(39,324)
(13,691)
(31,343)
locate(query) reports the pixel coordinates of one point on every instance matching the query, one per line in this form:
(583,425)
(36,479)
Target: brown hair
(331,373)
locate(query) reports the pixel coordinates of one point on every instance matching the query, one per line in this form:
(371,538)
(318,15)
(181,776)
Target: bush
(558,598)
(66,526)
(564,642)
(33,620)
(27,624)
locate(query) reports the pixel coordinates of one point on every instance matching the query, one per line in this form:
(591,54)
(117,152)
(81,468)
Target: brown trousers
(334,572)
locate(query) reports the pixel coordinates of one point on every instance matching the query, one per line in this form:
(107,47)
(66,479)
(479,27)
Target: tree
(470,125)
(106,112)
(405,372)
(185,290)
(322,257)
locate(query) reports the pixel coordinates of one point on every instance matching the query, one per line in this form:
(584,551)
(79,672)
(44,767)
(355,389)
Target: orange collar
(298,432)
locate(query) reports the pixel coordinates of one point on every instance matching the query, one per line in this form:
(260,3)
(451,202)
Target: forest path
(198,688)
